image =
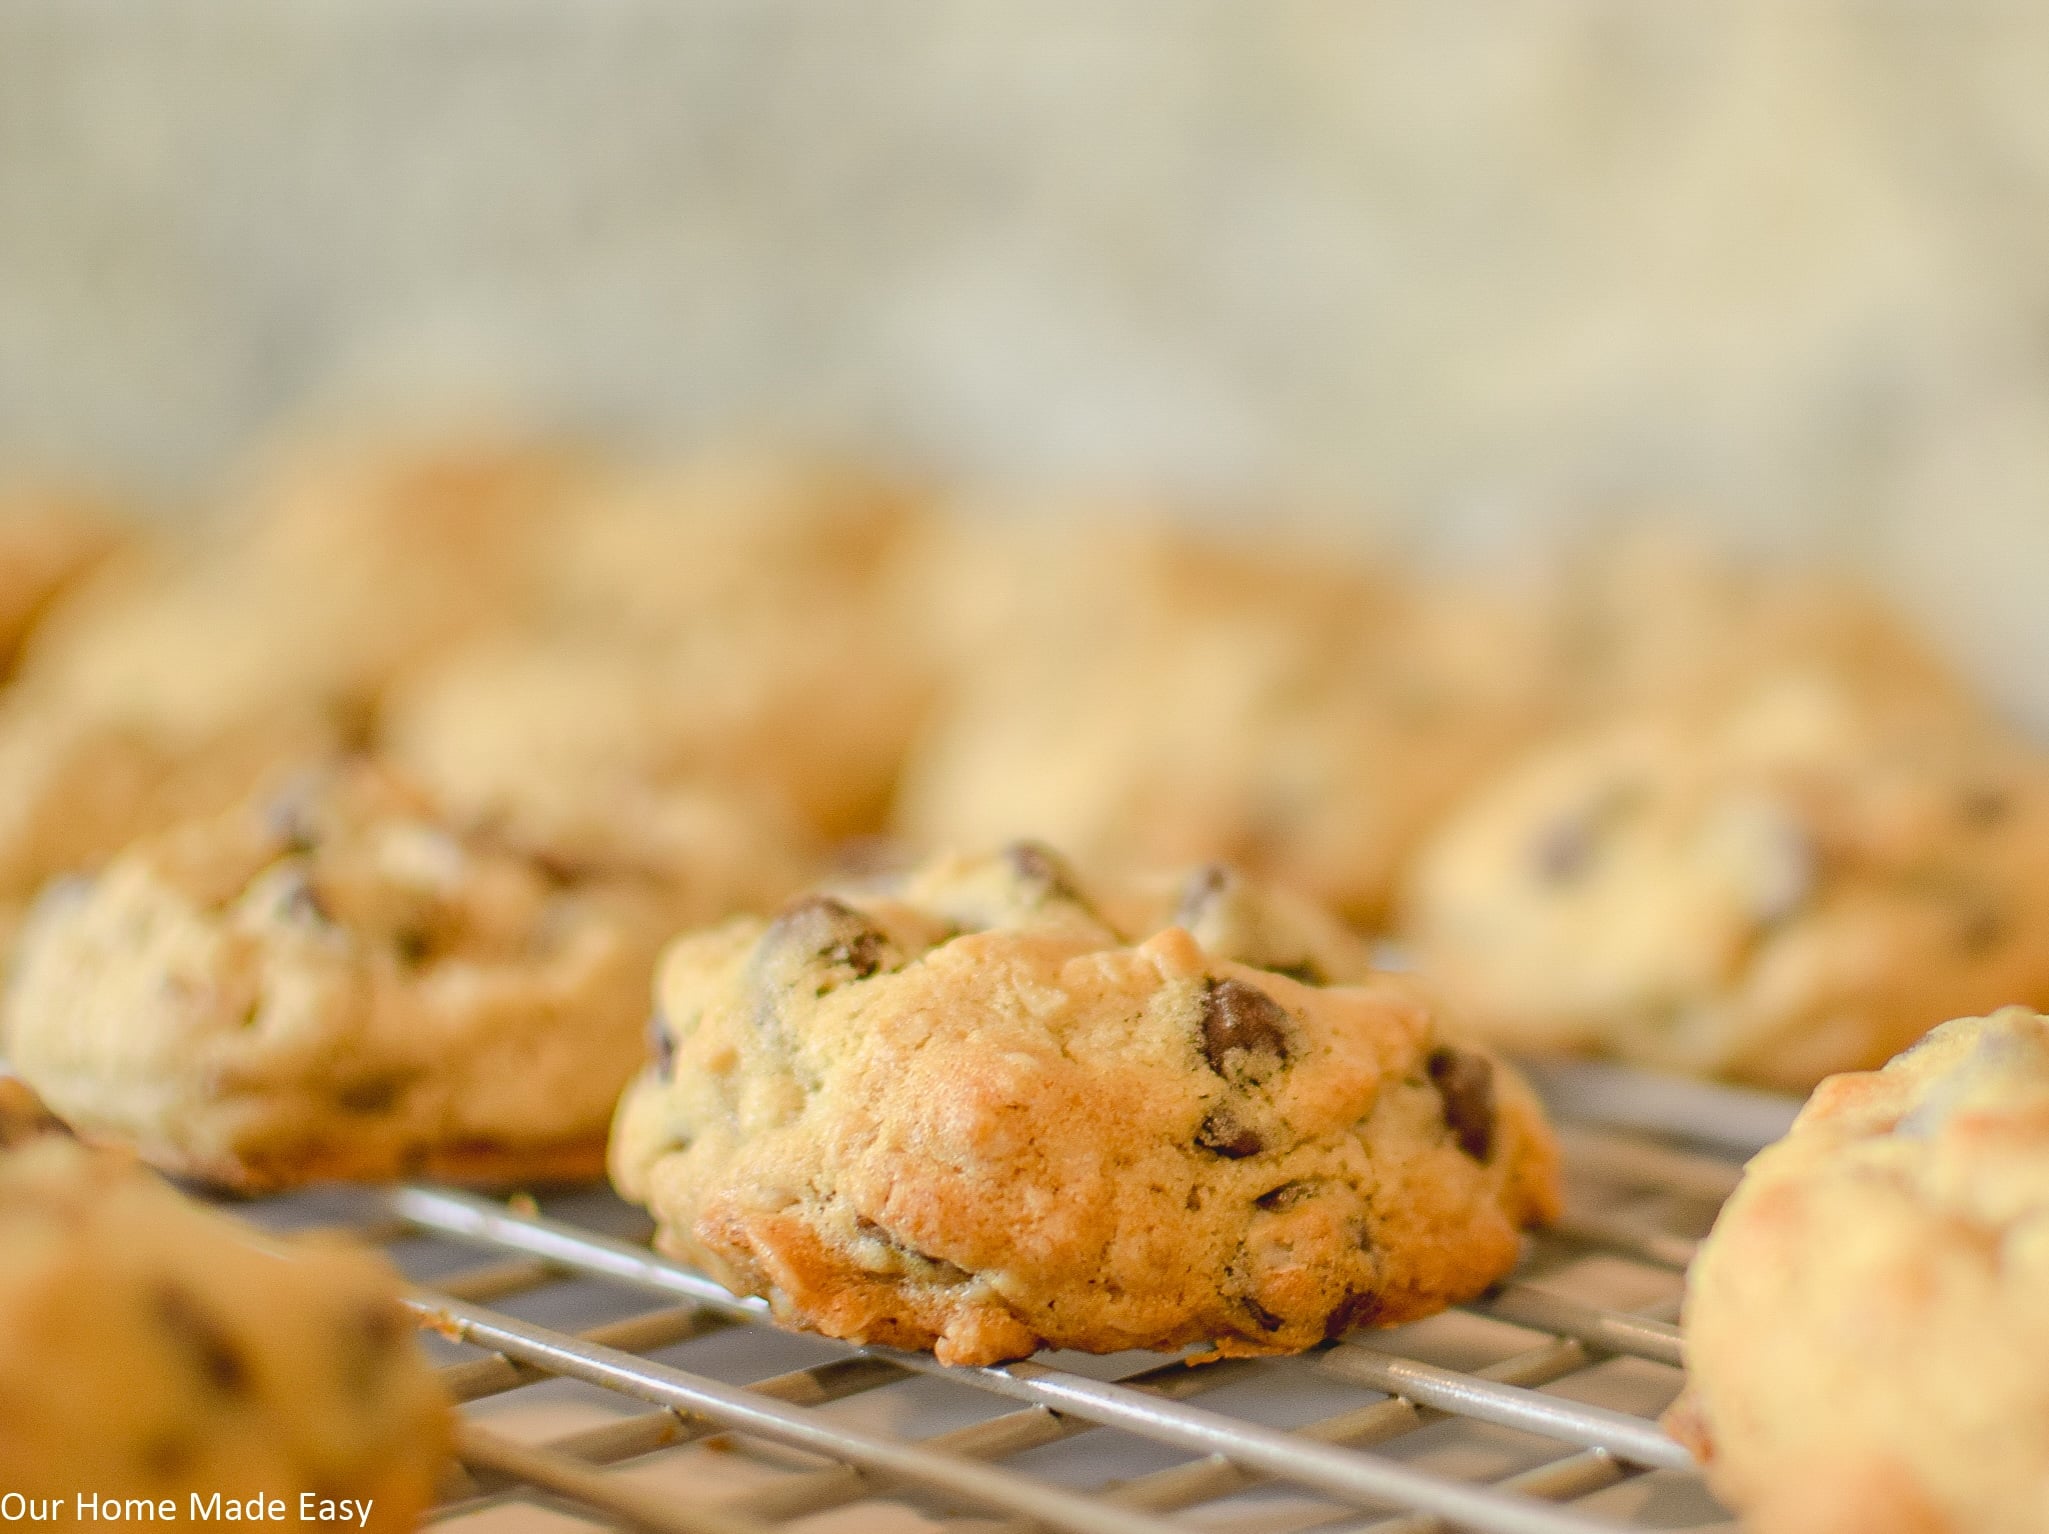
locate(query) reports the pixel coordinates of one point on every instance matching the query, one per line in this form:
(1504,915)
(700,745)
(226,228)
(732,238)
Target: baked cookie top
(153,1348)
(1905,1218)
(334,981)
(1794,878)
(1169,699)
(963,1111)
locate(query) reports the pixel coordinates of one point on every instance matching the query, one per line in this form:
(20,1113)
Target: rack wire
(604,1385)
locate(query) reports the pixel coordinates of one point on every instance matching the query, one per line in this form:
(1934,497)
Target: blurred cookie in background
(657,548)
(195,666)
(153,1348)
(1774,882)
(49,540)
(326,573)
(1145,695)
(334,981)
(729,626)
(1651,614)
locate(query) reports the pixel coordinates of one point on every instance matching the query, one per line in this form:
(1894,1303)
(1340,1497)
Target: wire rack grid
(604,1385)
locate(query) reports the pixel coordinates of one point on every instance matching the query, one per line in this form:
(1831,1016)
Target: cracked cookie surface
(960,1109)
(334,982)
(152,1348)
(1865,1325)
(1801,877)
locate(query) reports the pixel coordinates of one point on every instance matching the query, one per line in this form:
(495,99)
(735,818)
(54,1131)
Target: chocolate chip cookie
(964,1111)
(1799,877)
(335,982)
(151,1348)
(1865,1325)
(1173,700)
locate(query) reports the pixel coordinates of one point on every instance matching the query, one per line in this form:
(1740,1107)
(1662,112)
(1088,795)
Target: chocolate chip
(209,1345)
(1353,1311)
(415,946)
(930,1267)
(1242,1021)
(820,932)
(1266,1319)
(1287,1195)
(1223,1134)
(1042,872)
(1466,1084)
(661,1048)
(1984,806)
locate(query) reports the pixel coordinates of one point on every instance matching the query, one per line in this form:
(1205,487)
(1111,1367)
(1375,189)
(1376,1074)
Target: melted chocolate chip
(1352,1311)
(415,946)
(212,1349)
(1223,1134)
(1287,1195)
(1466,1084)
(822,931)
(1266,1320)
(1243,1021)
(937,1267)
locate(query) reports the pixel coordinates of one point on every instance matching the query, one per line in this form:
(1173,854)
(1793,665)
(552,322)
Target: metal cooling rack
(603,1385)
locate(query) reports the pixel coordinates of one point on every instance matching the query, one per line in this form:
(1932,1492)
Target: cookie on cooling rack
(154,1349)
(1792,878)
(1149,697)
(1865,1325)
(966,1112)
(333,982)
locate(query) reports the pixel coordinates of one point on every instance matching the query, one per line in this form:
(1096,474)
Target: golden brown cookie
(335,982)
(154,1349)
(1784,881)
(963,1112)
(1865,1326)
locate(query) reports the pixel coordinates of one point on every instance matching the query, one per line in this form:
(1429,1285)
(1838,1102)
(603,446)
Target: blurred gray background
(1472,273)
